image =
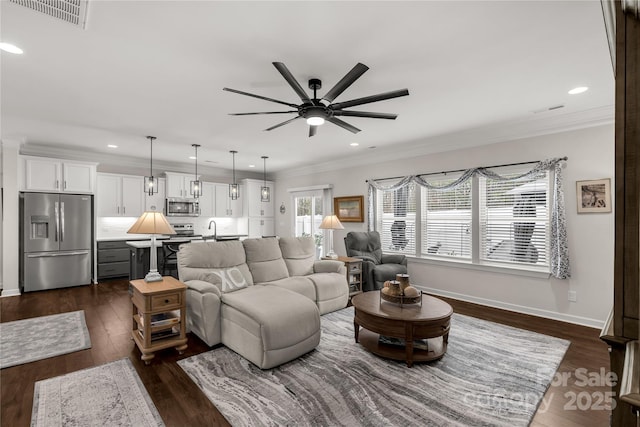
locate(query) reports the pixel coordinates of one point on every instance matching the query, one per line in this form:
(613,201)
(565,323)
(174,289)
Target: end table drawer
(164,301)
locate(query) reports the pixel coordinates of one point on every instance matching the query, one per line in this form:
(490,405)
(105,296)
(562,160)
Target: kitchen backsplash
(116,227)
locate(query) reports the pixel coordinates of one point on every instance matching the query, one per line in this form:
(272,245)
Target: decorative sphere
(410,292)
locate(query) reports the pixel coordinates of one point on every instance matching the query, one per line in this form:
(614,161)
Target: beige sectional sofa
(261,298)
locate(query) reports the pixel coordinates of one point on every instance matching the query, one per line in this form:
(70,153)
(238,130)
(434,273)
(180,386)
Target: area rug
(491,375)
(105,395)
(28,340)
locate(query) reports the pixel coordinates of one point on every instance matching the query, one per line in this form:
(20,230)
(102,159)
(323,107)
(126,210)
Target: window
(493,218)
(396,219)
(514,220)
(308,216)
(309,207)
(446,220)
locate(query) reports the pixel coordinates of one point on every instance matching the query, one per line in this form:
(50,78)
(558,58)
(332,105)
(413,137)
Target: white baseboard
(578,320)
(10,293)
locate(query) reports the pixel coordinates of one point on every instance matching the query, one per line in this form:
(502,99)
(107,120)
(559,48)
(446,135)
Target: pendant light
(151,183)
(196,185)
(264,190)
(234,190)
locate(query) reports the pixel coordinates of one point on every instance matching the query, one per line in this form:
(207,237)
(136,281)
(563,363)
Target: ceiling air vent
(71,11)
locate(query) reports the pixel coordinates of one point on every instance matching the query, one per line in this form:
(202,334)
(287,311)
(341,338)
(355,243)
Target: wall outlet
(573,296)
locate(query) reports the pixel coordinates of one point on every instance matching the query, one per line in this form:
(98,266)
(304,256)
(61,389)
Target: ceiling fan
(317,111)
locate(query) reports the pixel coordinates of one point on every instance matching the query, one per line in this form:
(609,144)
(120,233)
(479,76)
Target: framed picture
(594,196)
(349,209)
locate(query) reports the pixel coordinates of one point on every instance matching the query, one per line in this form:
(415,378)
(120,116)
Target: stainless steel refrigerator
(55,240)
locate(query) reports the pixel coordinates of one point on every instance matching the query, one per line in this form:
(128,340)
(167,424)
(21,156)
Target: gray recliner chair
(377,267)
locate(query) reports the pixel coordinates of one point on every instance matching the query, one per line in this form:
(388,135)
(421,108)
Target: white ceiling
(158,68)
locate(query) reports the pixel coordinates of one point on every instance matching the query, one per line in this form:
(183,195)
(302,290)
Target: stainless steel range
(184,231)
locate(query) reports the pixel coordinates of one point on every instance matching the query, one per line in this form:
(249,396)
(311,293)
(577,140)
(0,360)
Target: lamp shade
(151,223)
(331,222)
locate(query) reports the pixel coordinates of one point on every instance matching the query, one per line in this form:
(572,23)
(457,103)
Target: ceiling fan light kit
(316,111)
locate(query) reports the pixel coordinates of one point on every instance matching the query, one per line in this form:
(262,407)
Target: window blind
(396,219)
(514,220)
(446,219)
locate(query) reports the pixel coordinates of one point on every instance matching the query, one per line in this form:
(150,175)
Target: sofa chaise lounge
(262,298)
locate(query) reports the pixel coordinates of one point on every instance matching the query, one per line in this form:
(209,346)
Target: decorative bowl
(401,299)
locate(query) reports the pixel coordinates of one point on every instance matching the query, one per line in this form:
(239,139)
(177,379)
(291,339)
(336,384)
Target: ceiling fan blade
(365,114)
(259,97)
(346,81)
(292,81)
(264,112)
(312,130)
(343,124)
(283,123)
(368,99)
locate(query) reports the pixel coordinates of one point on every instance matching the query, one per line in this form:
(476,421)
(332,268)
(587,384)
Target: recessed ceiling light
(192,157)
(112,146)
(354,144)
(577,90)
(252,166)
(8,47)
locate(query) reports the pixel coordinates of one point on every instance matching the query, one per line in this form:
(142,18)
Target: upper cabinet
(179,185)
(119,195)
(58,176)
(207,200)
(156,202)
(215,201)
(225,207)
(254,206)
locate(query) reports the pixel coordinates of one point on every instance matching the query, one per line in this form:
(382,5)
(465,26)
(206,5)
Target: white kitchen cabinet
(261,221)
(120,195)
(179,185)
(156,202)
(261,227)
(253,206)
(225,207)
(208,200)
(55,175)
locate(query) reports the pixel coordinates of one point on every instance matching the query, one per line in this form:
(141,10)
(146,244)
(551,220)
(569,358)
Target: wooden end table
(429,321)
(159,310)
(354,273)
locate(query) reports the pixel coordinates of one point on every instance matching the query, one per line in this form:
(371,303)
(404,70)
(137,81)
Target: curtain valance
(559,249)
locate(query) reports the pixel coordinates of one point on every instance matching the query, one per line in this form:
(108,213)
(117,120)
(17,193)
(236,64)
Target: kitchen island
(139,256)
(139,251)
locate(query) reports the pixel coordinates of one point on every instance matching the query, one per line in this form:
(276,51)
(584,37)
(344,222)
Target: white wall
(591,236)
(10,215)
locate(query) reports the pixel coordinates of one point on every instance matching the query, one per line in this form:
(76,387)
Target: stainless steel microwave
(182,207)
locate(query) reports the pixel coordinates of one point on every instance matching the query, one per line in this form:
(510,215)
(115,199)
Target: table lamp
(331,222)
(152,223)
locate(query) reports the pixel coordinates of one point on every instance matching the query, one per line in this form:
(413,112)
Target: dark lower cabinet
(113,259)
(139,262)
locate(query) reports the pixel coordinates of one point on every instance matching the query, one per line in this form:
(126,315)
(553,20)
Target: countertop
(146,243)
(123,237)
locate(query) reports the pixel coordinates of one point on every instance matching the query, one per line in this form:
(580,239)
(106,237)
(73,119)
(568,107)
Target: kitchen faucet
(215,229)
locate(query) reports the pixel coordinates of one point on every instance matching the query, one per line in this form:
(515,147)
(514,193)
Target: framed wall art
(594,196)
(349,209)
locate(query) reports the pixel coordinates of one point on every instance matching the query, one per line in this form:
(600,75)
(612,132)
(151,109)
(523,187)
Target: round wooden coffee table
(429,322)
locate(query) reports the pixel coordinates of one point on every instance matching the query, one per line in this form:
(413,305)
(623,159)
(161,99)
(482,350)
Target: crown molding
(536,125)
(105,159)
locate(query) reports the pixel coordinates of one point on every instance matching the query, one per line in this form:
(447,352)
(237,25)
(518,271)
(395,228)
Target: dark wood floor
(180,403)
